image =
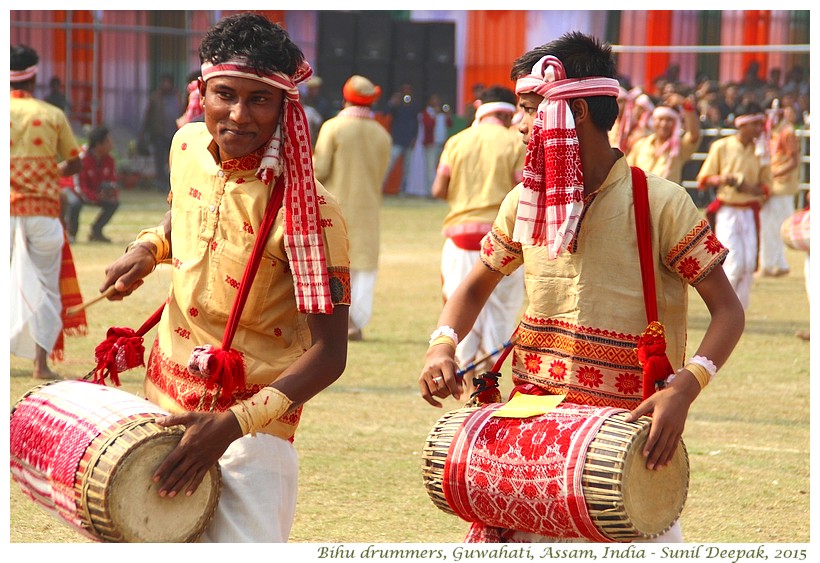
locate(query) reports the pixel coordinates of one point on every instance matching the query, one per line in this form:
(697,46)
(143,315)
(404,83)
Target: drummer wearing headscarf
(674,139)
(571,226)
(241,403)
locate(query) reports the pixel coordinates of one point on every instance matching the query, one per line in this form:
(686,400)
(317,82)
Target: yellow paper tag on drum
(522,405)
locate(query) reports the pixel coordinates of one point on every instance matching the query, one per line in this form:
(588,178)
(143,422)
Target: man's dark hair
(266,45)
(23,57)
(582,56)
(97,136)
(749,108)
(498,94)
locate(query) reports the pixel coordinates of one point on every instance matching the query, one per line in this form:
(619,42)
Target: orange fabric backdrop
(494,40)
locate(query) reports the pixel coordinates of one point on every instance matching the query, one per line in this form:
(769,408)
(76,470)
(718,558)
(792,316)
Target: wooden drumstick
(77,308)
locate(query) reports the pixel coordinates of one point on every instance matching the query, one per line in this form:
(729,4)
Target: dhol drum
(86,453)
(574,472)
(795,231)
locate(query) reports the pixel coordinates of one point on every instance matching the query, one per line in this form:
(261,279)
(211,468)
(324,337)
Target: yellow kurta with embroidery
(643,155)
(586,308)
(41,137)
(351,158)
(217,209)
(729,156)
(482,162)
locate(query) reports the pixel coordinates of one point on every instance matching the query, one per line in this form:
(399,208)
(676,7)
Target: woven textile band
(492,107)
(362,112)
(23,75)
(750,118)
(672,144)
(303,231)
(552,197)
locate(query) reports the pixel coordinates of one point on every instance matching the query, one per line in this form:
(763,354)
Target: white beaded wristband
(444,331)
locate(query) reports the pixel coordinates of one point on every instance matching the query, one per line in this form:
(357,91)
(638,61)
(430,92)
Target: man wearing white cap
(742,182)
(351,159)
(477,169)
(571,225)
(244,171)
(43,149)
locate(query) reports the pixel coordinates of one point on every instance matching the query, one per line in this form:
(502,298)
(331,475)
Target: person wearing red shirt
(98,186)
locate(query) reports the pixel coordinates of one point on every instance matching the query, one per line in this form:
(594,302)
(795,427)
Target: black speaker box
(337,36)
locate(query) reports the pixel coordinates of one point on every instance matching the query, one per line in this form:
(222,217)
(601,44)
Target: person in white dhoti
(43,149)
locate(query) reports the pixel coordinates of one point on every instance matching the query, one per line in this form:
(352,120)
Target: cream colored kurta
(729,156)
(586,308)
(217,209)
(351,158)
(41,137)
(643,155)
(483,163)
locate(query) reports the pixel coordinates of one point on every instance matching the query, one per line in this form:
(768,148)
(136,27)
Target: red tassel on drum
(220,368)
(652,358)
(122,350)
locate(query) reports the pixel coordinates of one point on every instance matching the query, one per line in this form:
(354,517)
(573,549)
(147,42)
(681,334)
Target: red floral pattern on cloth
(590,366)
(697,254)
(524,474)
(193,393)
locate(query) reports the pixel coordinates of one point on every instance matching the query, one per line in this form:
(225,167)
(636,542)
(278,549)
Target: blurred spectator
(404,110)
(435,123)
(727,103)
(56,94)
(98,186)
(159,125)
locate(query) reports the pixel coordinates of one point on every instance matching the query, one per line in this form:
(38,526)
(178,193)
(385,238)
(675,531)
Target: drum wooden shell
(625,500)
(115,498)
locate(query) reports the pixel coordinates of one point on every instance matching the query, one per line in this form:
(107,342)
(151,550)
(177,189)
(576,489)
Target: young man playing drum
(575,235)
(253,148)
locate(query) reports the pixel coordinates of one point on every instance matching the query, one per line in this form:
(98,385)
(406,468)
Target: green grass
(360,440)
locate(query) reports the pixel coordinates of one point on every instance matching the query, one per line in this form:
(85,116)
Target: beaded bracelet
(443,331)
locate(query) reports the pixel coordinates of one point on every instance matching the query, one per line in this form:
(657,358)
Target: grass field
(360,441)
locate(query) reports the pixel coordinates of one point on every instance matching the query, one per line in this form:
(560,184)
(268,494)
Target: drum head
(140,514)
(654,499)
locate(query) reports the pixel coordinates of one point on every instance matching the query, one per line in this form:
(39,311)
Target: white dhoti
(773,213)
(735,229)
(257,503)
(362,287)
(499,316)
(36,304)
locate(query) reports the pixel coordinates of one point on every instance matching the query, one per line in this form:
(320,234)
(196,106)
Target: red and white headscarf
(552,197)
(23,75)
(303,229)
(761,142)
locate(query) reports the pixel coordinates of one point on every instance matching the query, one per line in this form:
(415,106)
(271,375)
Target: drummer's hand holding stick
(439,378)
(141,257)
